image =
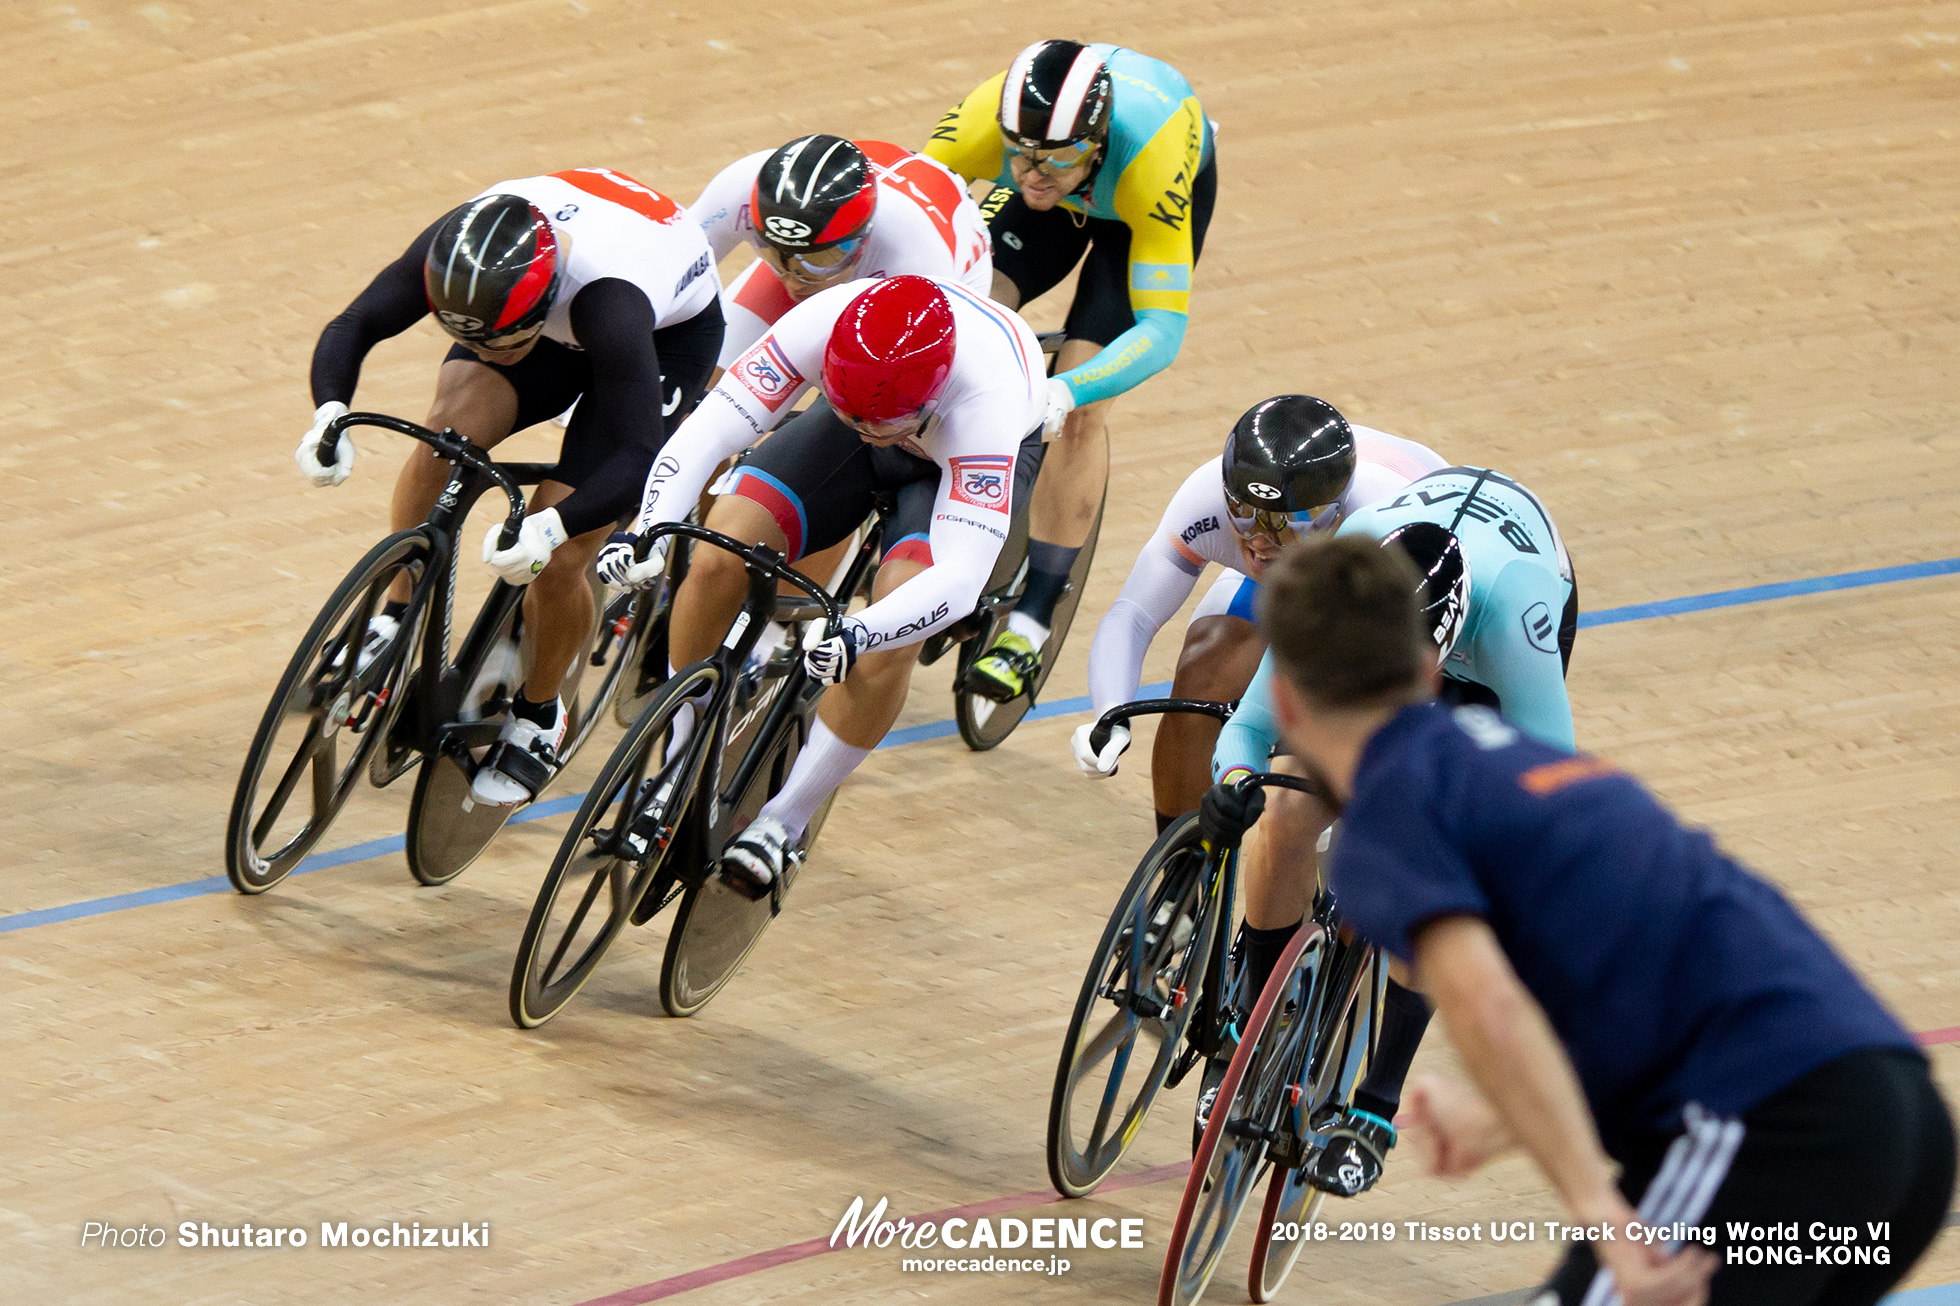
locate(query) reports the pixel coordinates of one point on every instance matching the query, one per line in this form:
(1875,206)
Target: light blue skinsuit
(1520,582)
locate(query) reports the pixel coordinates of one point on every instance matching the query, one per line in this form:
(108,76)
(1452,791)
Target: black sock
(544,714)
(394,609)
(1262,949)
(1405,1015)
(1048,566)
(1164,822)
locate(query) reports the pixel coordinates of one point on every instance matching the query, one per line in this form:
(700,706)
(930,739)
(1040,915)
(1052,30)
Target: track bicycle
(1305,1046)
(340,708)
(1161,993)
(983,723)
(678,788)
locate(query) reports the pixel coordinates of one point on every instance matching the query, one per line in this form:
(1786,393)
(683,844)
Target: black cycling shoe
(1351,1162)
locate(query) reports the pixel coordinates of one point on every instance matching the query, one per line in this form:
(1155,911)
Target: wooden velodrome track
(1686,269)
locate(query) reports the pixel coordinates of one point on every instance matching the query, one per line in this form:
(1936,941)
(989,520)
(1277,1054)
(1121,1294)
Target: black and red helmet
(1056,93)
(815,192)
(492,270)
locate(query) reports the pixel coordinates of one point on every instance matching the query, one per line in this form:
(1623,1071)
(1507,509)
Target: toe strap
(531,767)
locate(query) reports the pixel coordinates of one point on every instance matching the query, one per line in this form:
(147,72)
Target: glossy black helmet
(1288,461)
(1055,93)
(492,271)
(1445,572)
(815,192)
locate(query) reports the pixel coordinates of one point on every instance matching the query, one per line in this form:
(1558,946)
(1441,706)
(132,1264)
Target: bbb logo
(460,321)
(787,229)
(565,214)
(1010,240)
(1260,490)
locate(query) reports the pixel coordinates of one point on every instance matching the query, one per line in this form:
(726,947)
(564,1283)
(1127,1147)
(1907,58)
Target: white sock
(825,762)
(1028,628)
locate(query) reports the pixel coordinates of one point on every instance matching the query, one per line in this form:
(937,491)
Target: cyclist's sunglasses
(509,341)
(1050,163)
(824,264)
(1248,520)
(892,429)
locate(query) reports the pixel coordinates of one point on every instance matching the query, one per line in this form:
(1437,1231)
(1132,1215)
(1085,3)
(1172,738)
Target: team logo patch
(788,229)
(1540,629)
(983,480)
(766,373)
(1261,490)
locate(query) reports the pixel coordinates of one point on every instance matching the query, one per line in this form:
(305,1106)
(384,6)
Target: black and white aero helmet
(1056,93)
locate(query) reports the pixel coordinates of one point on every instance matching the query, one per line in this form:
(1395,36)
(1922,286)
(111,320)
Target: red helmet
(890,353)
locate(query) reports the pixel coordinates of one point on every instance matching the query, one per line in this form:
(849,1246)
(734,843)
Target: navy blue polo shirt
(1671,974)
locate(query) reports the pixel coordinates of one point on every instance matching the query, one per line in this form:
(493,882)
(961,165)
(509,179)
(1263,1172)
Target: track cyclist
(1499,600)
(1292,466)
(1096,149)
(584,286)
(935,395)
(1623,994)
(822,210)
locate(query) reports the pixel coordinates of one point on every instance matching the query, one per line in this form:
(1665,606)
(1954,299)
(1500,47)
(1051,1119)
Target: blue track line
(361,852)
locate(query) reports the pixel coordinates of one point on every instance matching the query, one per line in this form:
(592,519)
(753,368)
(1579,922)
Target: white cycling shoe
(381,632)
(758,858)
(521,763)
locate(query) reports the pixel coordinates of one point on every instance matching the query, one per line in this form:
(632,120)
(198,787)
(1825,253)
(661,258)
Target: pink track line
(803,1251)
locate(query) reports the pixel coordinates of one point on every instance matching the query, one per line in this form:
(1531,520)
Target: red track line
(802,1251)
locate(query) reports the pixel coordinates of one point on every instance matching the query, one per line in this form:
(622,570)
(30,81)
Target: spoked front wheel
(1248,1116)
(334,703)
(1136,1000)
(615,856)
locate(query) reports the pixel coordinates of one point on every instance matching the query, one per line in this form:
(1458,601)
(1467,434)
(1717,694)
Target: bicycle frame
(437,689)
(1349,960)
(1214,1028)
(700,830)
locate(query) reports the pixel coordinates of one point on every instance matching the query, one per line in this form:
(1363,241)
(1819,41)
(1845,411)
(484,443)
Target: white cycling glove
(618,567)
(521,562)
(1061,402)
(1099,766)
(308,453)
(829,660)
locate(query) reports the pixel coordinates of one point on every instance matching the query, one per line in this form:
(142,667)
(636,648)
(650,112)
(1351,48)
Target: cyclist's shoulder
(966,139)
(1148,85)
(733,184)
(1409,458)
(1200,494)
